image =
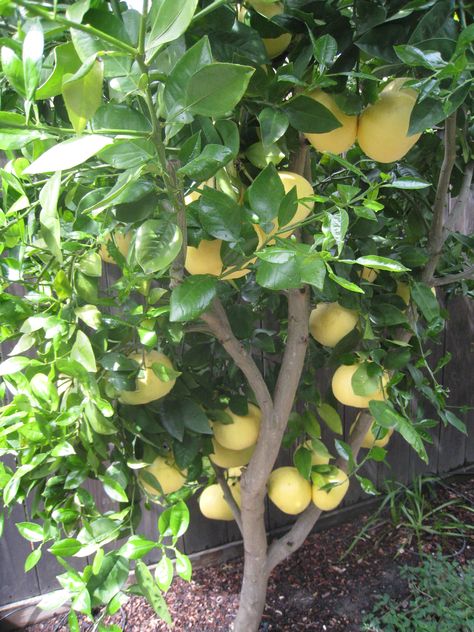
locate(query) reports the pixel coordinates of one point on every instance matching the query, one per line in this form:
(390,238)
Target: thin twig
(464,275)
(228,495)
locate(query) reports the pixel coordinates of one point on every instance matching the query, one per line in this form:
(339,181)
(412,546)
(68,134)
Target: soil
(315,590)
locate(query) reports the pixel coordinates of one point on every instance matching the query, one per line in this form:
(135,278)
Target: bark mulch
(314,590)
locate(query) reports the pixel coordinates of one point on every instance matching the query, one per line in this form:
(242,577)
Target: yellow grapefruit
(344,393)
(223,457)
(121,240)
(214,506)
(383,126)
(242,433)
(288,490)
(167,473)
(149,387)
(340,139)
(316,459)
(330,322)
(331,498)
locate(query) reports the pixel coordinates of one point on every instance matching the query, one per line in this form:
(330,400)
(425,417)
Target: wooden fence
(450,451)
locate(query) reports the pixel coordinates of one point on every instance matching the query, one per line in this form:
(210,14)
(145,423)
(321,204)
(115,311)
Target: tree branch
(436,235)
(464,275)
(283,547)
(217,321)
(228,495)
(462,199)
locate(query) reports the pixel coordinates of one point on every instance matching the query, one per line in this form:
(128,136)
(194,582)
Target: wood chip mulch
(313,591)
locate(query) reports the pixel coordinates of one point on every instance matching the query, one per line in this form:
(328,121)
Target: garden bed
(313,590)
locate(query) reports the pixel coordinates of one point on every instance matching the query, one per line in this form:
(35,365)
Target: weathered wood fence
(450,451)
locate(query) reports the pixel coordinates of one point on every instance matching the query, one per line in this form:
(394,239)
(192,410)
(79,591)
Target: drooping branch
(436,235)
(280,549)
(228,495)
(217,321)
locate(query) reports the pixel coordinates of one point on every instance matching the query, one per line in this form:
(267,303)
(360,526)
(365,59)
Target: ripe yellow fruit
(214,506)
(223,457)
(167,473)
(383,126)
(316,459)
(369,440)
(344,393)
(274,46)
(368,274)
(330,322)
(303,209)
(206,259)
(149,387)
(235,472)
(331,498)
(288,490)
(340,139)
(403,291)
(121,240)
(242,433)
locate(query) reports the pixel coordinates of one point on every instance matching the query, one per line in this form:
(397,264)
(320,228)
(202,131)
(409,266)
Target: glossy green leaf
(65,548)
(273,125)
(164,573)
(183,566)
(66,61)
(307,115)
(426,114)
(302,462)
(68,154)
(425,300)
(266,193)
(381,263)
(113,489)
(82,93)
(136,547)
(169,19)
(364,381)
(32,559)
(220,215)
(32,57)
(83,353)
(12,136)
(49,218)
(174,521)
(207,164)
(217,88)
(331,417)
(325,49)
(151,592)
(279,276)
(12,67)
(157,244)
(31,531)
(192,297)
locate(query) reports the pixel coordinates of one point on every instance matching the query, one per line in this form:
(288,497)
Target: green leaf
(98,421)
(31,531)
(151,592)
(176,86)
(307,115)
(325,49)
(11,134)
(367,485)
(113,489)
(338,225)
(425,300)
(331,417)
(32,559)
(113,573)
(183,566)
(32,57)
(410,184)
(169,20)
(157,244)
(174,521)
(83,353)
(387,417)
(82,94)
(53,600)
(344,450)
(426,114)
(381,263)
(15,365)
(302,462)
(136,547)
(454,421)
(207,164)
(66,60)
(68,154)
(279,276)
(347,285)
(65,548)
(192,297)
(413,56)
(312,270)
(266,193)
(90,315)
(49,218)
(164,573)
(190,414)
(220,215)
(217,88)
(273,125)
(365,381)
(82,602)
(12,66)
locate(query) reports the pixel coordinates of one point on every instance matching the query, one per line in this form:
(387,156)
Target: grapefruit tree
(246,174)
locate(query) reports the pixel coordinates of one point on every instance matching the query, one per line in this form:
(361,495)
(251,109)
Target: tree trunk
(253,594)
